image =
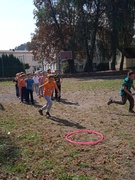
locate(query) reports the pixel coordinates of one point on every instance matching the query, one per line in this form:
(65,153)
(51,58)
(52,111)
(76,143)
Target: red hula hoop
(85,143)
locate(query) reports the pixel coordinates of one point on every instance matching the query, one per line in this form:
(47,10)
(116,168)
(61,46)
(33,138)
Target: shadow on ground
(67,123)
(121,114)
(64,101)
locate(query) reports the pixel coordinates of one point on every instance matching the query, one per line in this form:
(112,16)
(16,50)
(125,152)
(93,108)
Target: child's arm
(133,87)
(39,89)
(61,80)
(125,89)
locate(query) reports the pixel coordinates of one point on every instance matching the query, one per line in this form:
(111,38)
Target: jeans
(56,93)
(124,100)
(29,92)
(23,93)
(36,87)
(49,103)
(17,91)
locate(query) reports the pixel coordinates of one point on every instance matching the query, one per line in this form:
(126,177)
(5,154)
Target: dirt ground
(83,106)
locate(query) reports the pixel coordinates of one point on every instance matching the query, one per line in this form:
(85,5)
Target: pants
(36,87)
(23,93)
(17,91)
(29,92)
(56,93)
(48,104)
(124,100)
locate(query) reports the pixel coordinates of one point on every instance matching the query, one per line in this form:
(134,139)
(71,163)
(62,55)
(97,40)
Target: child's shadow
(66,122)
(64,101)
(120,114)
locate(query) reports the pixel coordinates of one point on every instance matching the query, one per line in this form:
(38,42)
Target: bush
(10,65)
(102,67)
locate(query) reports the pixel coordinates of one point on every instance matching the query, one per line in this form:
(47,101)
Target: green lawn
(34,147)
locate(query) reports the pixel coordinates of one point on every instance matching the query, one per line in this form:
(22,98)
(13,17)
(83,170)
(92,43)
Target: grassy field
(33,147)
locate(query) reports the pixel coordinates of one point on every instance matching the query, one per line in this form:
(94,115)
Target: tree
(22,47)
(10,65)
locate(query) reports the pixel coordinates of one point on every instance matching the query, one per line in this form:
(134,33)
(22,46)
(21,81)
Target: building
(129,58)
(25,57)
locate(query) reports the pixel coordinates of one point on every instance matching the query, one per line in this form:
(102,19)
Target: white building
(25,57)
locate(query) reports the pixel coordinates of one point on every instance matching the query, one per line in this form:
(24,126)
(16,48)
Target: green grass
(36,146)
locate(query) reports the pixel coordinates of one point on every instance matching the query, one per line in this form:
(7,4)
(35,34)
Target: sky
(16,23)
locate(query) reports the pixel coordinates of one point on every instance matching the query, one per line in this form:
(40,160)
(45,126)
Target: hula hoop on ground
(85,143)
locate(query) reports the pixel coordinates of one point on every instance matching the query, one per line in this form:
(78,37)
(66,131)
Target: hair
(130,73)
(50,75)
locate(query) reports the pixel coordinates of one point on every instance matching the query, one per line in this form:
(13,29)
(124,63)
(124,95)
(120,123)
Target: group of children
(47,83)
(44,85)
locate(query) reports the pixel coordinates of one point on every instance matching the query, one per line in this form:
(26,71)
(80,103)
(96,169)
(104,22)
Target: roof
(14,52)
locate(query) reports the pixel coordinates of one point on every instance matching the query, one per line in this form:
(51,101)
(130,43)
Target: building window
(33,58)
(21,59)
(81,67)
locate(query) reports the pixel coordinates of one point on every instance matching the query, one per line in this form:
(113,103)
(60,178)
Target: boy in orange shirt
(48,89)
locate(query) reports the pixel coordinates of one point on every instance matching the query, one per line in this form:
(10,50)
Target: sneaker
(131,111)
(110,102)
(40,112)
(48,114)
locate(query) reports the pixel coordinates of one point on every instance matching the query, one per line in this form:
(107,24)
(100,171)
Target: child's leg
(49,103)
(17,91)
(36,90)
(122,102)
(27,95)
(56,94)
(131,101)
(45,106)
(22,94)
(31,96)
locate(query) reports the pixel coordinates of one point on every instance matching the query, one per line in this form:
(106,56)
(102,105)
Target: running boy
(48,89)
(125,92)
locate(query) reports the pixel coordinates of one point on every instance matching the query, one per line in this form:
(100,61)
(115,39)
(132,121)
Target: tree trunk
(122,62)
(90,54)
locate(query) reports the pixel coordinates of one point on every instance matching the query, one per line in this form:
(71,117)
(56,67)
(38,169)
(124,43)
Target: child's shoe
(48,114)
(40,112)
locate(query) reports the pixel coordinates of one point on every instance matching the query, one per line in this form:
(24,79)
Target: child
(29,88)
(16,85)
(36,82)
(48,89)
(58,81)
(126,92)
(22,85)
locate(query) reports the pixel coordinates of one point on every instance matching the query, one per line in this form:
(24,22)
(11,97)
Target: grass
(33,147)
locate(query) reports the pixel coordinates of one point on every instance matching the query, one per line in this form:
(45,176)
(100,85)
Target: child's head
(51,77)
(22,76)
(29,75)
(35,74)
(56,72)
(49,71)
(131,75)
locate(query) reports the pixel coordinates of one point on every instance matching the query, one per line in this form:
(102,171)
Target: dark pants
(56,93)
(17,91)
(29,92)
(23,93)
(124,100)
